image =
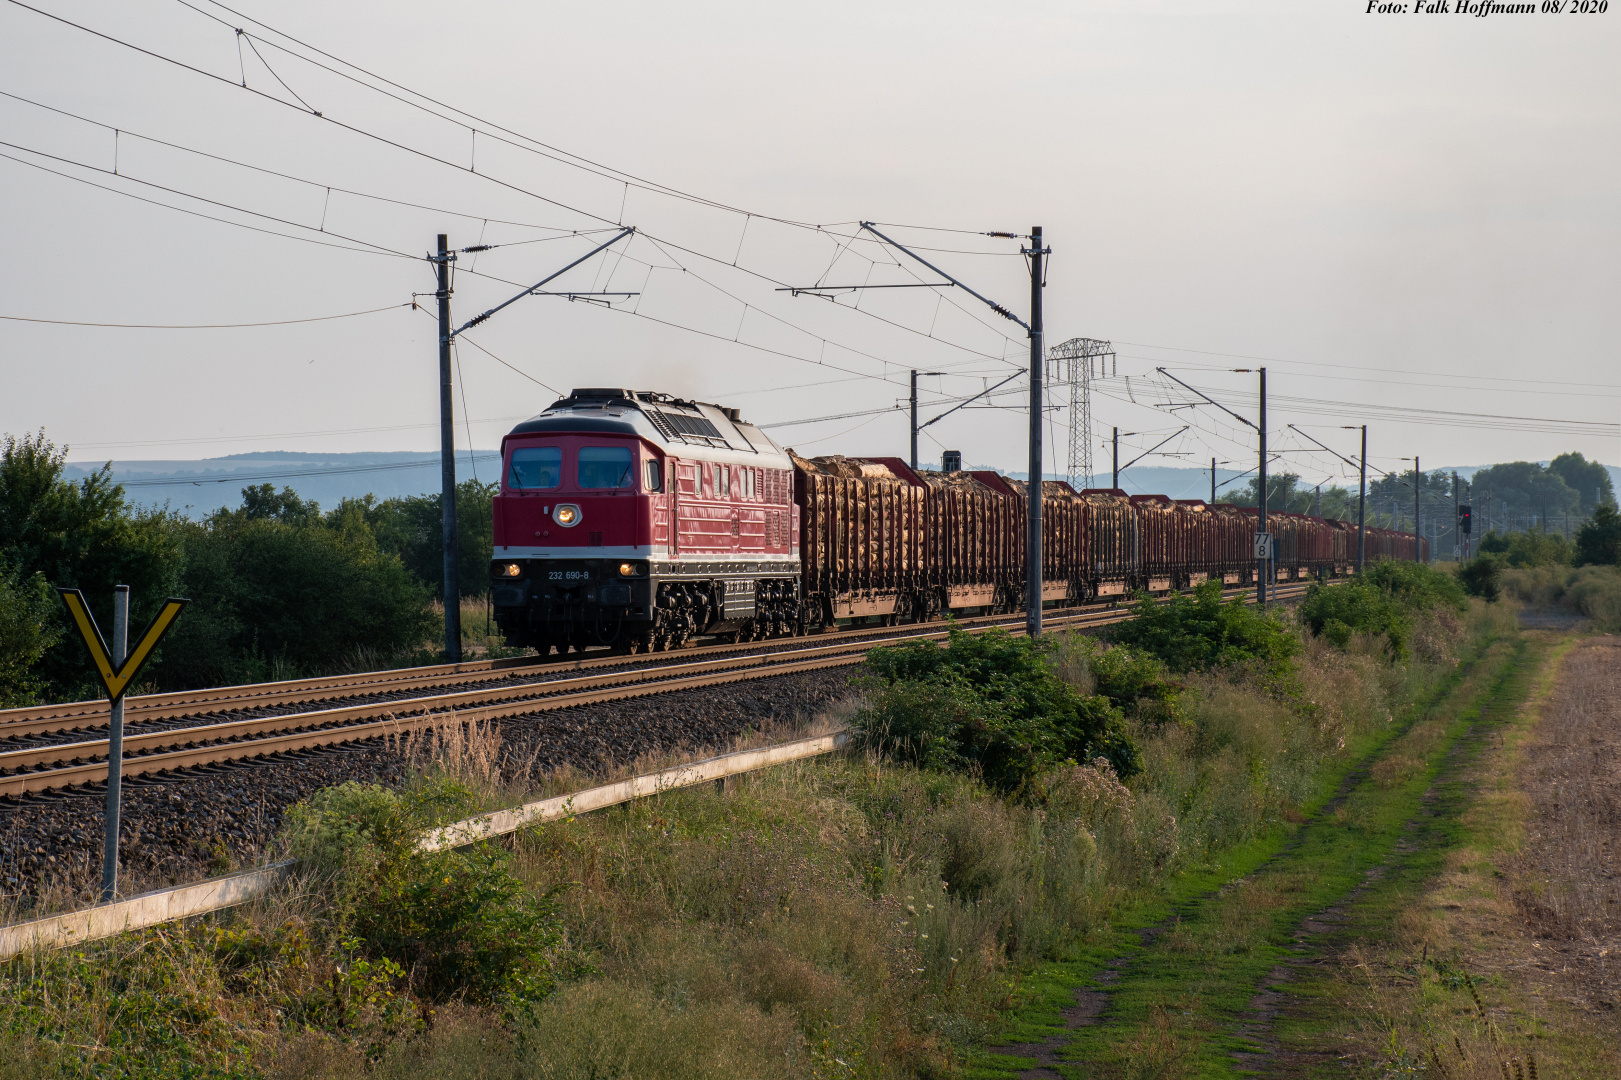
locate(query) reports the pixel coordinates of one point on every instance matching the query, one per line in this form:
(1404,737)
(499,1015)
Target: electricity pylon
(1078,361)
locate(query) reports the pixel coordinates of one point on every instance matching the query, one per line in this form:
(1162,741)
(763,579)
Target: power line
(318,185)
(212,202)
(206,326)
(197,213)
(1393,371)
(584,163)
(443,161)
(1586,392)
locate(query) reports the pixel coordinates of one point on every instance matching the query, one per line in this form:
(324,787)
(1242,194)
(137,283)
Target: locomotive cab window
(535,468)
(606,467)
(653,475)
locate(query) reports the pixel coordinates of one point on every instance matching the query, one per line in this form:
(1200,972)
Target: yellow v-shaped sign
(116,682)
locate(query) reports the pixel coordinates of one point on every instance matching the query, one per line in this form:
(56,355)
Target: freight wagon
(640,520)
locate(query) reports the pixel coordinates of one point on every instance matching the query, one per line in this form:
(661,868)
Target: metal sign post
(117,667)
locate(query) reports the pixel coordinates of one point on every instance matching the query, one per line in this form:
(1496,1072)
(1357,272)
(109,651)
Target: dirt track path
(1204,992)
(1567,880)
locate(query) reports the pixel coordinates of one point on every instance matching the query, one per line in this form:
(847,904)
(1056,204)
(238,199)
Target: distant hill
(1181,483)
(198,488)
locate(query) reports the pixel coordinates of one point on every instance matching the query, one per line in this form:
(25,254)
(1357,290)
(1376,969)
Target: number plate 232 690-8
(568,575)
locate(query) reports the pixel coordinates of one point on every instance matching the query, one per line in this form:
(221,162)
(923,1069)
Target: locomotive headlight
(629,569)
(567,515)
(508,569)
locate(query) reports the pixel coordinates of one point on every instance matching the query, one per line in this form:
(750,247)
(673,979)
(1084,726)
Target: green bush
(1199,633)
(1537,547)
(78,535)
(411,528)
(1416,586)
(1137,684)
(1599,541)
(282,595)
(988,703)
(29,625)
(456,923)
(338,825)
(1482,576)
(1592,591)
(1382,600)
(1337,612)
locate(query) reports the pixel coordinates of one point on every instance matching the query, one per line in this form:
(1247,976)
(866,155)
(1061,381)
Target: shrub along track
(215,804)
(1194,990)
(151,748)
(42,724)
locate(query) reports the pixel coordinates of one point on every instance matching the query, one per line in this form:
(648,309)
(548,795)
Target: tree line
(279,588)
(1516,496)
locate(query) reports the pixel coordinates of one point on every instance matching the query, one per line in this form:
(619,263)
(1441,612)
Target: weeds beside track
(1194,987)
(58,766)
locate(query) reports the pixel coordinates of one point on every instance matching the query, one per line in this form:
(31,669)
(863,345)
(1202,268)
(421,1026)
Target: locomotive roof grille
(689,429)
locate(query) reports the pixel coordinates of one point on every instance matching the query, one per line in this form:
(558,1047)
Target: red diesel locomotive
(639,520)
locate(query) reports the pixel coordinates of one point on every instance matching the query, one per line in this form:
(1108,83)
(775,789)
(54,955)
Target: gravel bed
(518,679)
(184,827)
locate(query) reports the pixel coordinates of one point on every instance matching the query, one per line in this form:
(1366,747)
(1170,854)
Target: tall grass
(845,917)
(1592,591)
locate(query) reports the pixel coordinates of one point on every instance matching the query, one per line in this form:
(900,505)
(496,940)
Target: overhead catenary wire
(208,326)
(1586,391)
(441,160)
(617,176)
(1341,366)
(125,132)
(379,249)
(200,214)
(289,434)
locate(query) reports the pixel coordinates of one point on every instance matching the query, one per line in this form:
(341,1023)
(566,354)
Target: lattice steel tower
(1078,361)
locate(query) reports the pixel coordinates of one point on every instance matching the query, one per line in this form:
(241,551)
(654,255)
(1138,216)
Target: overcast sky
(1415,211)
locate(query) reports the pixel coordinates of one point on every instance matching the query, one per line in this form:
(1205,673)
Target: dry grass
(1567,877)
(1504,966)
(844,917)
(1593,592)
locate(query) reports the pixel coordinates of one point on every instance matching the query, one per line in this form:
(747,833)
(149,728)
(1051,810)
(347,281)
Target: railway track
(438,696)
(75,716)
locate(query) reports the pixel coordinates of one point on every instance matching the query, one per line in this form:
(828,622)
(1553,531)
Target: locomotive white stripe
(646,551)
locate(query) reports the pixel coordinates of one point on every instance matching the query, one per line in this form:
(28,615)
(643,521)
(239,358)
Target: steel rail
(75,715)
(330,727)
(217,753)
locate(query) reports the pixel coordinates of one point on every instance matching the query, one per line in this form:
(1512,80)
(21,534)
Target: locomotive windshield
(605,467)
(536,468)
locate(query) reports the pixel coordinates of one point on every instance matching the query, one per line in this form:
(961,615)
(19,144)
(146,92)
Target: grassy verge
(1182,971)
(843,918)
(1438,968)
